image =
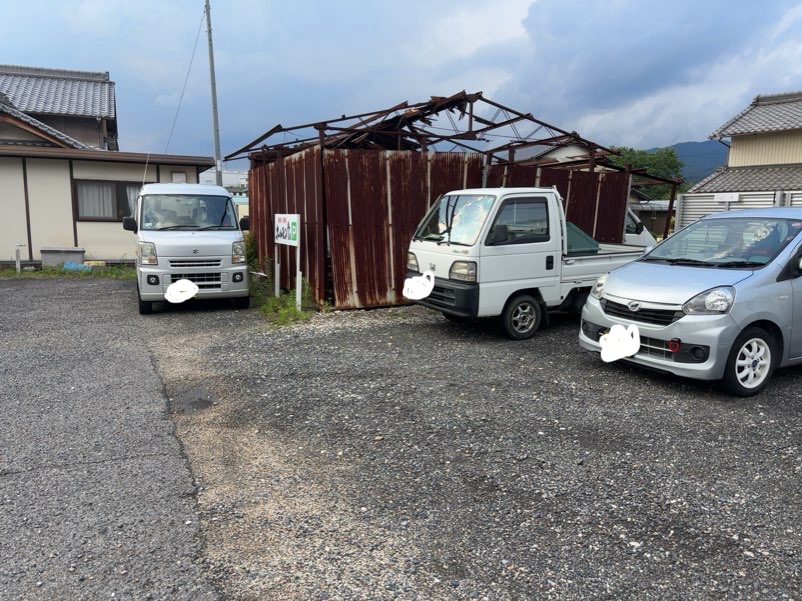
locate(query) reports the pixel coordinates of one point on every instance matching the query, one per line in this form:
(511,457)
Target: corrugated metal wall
(594,202)
(374,199)
(769,148)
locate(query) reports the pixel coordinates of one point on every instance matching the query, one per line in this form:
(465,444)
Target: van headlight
(238,252)
(463,270)
(147,254)
(412,262)
(598,287)
(717,300)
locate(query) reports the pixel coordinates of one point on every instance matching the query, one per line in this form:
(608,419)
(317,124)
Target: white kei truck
(508,253)
(188,232)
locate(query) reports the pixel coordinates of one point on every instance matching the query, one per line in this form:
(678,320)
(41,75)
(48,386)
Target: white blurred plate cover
(180,291)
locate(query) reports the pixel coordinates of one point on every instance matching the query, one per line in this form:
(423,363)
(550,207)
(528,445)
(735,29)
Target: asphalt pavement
(96,497)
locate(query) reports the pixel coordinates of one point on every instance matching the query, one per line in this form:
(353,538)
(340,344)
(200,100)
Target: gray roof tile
(59,92)
(6,106)
(770,178)
(766,113)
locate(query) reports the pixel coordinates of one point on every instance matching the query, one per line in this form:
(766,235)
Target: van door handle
(550,262)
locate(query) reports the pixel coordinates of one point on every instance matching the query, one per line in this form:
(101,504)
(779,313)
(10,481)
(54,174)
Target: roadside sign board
(287,229)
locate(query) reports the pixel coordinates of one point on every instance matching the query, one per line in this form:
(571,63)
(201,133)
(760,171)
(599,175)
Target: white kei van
(188,231)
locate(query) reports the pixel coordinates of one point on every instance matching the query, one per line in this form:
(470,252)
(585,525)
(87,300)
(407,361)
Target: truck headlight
(463,270)
(147,254)
(412,262)
(717,300)
(598,287)
(238,252)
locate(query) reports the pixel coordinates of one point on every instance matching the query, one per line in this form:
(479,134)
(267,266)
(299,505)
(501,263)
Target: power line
(180,100)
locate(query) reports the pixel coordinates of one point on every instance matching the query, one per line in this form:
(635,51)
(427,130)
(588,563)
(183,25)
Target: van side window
(520,221)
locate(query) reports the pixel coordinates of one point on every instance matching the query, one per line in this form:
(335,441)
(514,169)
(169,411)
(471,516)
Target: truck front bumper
(213,278)
(701,343)
(460,299)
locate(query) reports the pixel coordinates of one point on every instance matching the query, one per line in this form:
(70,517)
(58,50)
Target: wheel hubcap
(523,317)
(753,363)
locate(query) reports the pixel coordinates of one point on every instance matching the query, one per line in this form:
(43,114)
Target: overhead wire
(186,79)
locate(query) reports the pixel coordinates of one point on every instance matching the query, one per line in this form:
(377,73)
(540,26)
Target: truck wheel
(521,317)
(751,362)
(241,302)
(145,307)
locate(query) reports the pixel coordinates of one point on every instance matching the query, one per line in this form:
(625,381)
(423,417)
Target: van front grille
(204,281)
(177,263)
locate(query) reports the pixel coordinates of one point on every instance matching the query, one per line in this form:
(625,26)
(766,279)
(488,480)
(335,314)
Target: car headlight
(412,262)
(147,254)
(238,252)
(598,287)
(463,270)
(717,300)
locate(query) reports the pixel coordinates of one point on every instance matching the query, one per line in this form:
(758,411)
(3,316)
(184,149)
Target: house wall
(105,241)
(83,129)
(778,148)
(50,202)
(10,132)
(13,228)
(120,172)
(166,173)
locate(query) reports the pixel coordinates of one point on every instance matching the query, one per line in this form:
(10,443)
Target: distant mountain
(700,158)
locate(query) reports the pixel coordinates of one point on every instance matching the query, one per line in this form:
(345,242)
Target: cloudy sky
(620,72)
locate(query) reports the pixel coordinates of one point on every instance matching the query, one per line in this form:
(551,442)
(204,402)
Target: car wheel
(521,317)
(241,302)
(751,362)
(145,307)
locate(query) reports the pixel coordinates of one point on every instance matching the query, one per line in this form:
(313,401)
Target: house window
(104,200)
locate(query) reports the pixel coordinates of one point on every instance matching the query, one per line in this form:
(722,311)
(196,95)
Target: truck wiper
(430,236)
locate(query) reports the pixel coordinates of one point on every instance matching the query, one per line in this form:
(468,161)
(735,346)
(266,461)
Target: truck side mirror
(639,227)
(499,234)
(245,223)
(129,223)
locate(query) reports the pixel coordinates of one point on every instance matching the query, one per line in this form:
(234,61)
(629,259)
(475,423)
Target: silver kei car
(719,300)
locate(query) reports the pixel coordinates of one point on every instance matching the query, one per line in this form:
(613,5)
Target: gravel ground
(391,454)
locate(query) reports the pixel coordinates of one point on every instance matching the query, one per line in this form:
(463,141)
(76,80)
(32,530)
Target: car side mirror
(245,223)
(499,234)
(129,223)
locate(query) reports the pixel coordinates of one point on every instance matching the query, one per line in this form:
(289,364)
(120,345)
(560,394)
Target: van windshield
(456,219)
(187,212)
(727,242)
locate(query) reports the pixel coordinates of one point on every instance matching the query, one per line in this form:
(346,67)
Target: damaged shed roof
(463,121)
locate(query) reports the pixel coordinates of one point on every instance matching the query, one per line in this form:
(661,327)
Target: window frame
(119,191)
(529,239)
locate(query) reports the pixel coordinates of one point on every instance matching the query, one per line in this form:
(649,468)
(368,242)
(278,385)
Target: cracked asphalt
(198,453)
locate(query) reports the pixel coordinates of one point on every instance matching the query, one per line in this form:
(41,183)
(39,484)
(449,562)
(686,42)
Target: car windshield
(456,219)
(727,242)
(187,212)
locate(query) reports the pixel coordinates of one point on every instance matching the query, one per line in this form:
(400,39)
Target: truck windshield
(187,212)
(456,219)
(727,242)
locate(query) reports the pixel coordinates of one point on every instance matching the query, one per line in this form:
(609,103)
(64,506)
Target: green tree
(662,162)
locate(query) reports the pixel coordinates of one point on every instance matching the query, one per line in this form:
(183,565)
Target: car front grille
(660,317)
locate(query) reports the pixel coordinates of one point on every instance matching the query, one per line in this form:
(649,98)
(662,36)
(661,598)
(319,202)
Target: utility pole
(217,158)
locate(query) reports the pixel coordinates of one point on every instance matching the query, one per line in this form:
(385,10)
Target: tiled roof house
(764,162)
(64,184)
(80,104)
(765,148)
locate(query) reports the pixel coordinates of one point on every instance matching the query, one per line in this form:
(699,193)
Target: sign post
(288,231)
